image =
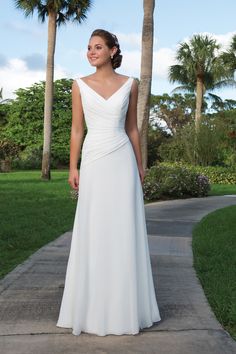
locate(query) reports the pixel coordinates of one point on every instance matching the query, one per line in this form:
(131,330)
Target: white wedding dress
(109,285)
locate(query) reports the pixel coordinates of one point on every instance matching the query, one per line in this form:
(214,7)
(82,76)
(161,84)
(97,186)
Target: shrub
(210,146)
(8,149)
(29,159)
(219,175)
(174,182)
(152,186)
(215,174)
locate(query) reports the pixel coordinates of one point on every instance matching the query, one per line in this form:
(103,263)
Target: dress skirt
(109,286)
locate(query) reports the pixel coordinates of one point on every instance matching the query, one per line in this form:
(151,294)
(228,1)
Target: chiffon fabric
(109,286)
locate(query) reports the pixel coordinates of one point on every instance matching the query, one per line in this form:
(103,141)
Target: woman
(109,286)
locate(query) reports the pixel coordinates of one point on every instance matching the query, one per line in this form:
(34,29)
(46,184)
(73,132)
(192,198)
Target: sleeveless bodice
(105,121)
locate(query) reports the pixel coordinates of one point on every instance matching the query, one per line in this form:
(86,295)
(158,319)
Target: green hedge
(174,182)
(215,174)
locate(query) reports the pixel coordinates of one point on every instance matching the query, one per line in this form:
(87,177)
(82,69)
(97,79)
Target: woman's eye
(98,47)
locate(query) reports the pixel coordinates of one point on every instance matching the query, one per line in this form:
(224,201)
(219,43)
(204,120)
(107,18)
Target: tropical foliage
(58,12)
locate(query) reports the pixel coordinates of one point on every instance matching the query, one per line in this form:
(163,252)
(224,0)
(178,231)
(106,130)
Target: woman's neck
(105,71)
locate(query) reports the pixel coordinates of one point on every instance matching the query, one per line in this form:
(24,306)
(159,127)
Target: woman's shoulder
(132,78)
(87,77)
(121,76)
(83,78)
(124,77)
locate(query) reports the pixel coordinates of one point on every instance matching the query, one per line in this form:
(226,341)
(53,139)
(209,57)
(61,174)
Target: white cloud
(131,62)
(223,39)
(132,40)
(162,59)
(16,75)
(129,40)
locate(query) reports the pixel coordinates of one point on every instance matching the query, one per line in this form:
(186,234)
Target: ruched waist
(106,130)
(100,142)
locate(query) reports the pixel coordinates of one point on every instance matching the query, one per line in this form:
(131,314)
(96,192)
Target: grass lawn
(221,189)
(214,250)
(32,213)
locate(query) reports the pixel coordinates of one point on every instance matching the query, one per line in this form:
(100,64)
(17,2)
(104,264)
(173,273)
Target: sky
(24,40)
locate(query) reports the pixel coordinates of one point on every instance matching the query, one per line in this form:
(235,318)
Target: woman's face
(98,52)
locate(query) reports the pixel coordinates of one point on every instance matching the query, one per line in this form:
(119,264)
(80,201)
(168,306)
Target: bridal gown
(108,285)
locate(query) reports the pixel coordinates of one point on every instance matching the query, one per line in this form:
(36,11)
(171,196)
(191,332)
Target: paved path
(30,295)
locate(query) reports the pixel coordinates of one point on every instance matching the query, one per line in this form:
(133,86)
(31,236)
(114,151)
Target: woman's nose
(92,50)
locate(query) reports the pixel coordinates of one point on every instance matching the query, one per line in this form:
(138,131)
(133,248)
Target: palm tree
(229,57)
(146,76)
(58,12)
(200,68)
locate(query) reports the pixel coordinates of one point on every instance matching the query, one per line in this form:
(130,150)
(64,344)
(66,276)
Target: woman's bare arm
(132,128)
(77,133)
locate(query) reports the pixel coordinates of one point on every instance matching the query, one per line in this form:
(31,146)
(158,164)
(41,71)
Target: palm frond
(233,44)
(183,88)
(178,73)
(73,10)
(215,98)
(28,6)
(224,83)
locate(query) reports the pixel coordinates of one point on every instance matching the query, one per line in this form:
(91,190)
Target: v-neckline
(114,93)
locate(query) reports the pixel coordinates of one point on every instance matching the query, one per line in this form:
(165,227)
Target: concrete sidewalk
(30,295)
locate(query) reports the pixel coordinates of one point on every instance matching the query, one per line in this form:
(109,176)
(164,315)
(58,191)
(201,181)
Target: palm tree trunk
(146,76)
(48,99)
(199,100)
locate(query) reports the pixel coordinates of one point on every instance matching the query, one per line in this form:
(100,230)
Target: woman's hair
(111,41)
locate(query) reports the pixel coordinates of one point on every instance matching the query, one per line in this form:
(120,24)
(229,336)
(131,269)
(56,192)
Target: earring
(112,56)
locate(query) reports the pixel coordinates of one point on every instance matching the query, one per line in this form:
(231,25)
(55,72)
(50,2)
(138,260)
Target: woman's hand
(74,179)
(142,173)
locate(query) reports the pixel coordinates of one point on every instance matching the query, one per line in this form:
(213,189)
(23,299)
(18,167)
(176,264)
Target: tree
(24,125)
(146,76)
(176,110)
(58,12)
(199,69)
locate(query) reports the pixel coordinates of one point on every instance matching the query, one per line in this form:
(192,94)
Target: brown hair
(111,41)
